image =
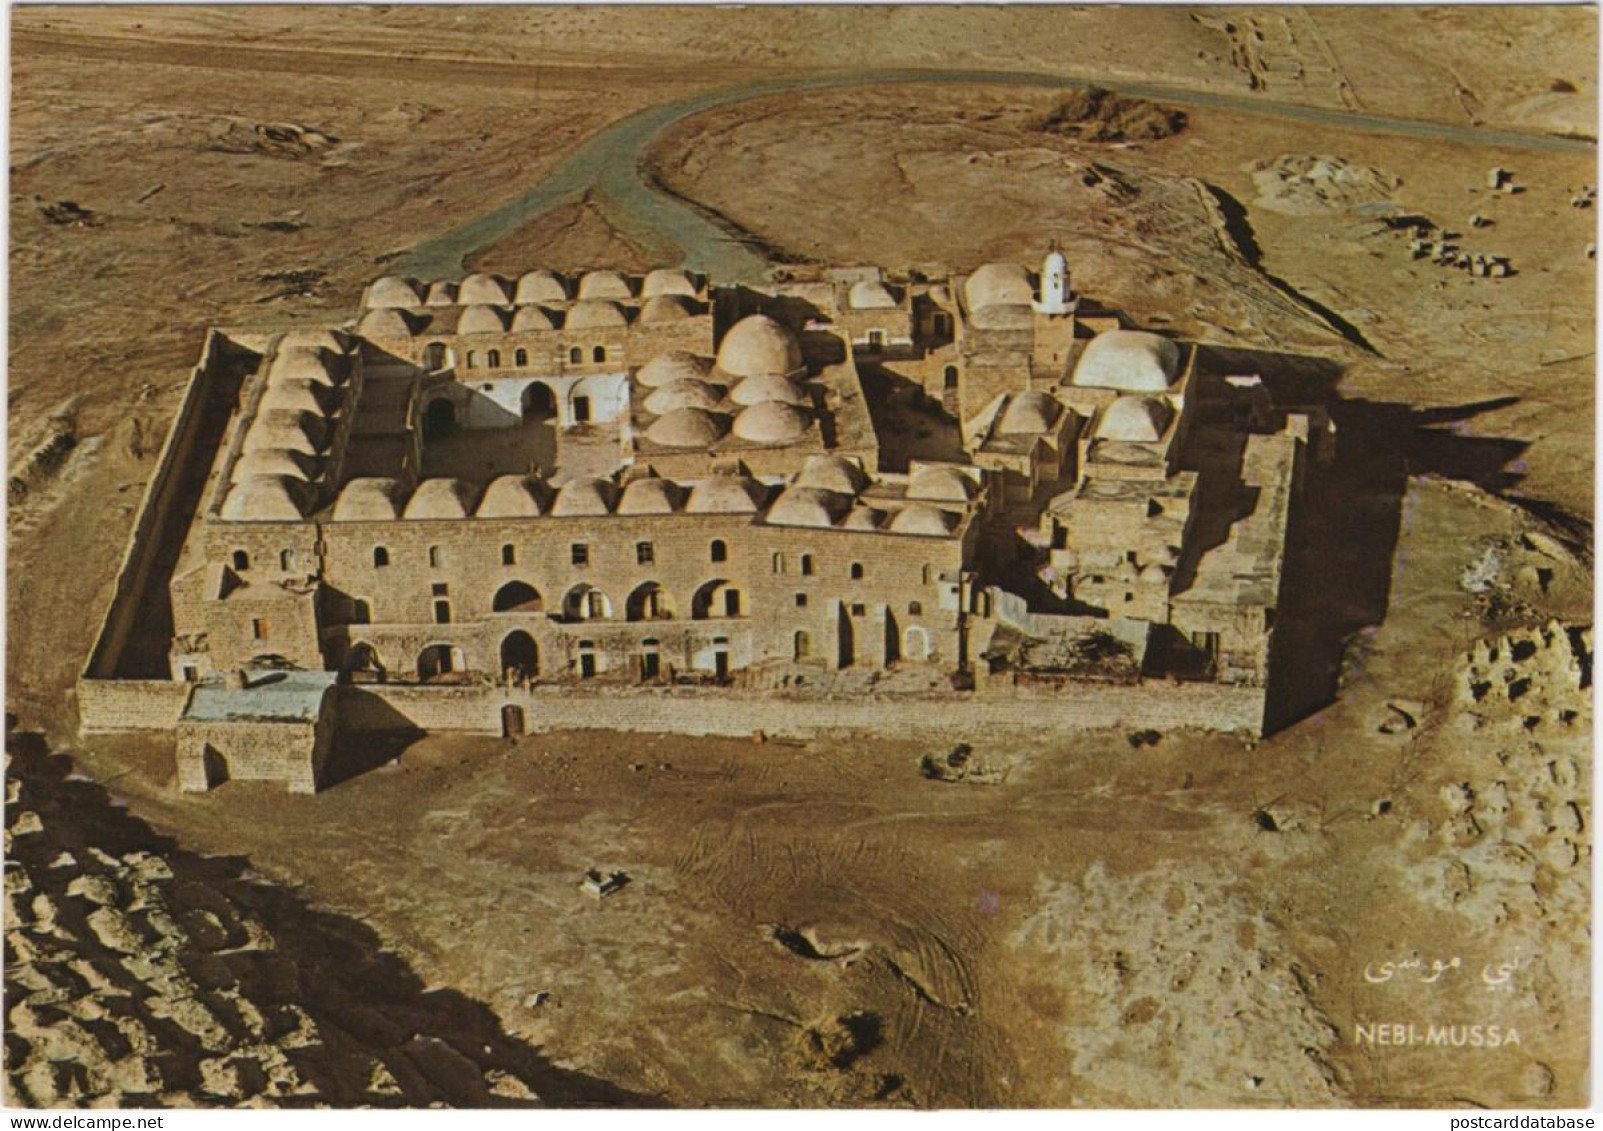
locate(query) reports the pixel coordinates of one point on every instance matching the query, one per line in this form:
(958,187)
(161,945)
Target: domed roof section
(1152,573)
(999,284)
(807,506)
(481,320)
(832,473)
(541,286)
(1003,316)
(673,365)
(686,392)
(264,498)
(1132,361)
(941,485)
(279,428)
(650,496)
(604,284)
(1140,420)
(665,308)
(295,394)
(314,338)
(725,494)
(442,293)
(483,289)
(302,362)
(275,461)
(870,294)
(863,518)
(384,325)
(583,497)
(667,281)
(593,314)
(532,318)
(922,519)
(440,498)
(768,387)
(513,496)
(688,428)
(392,292)
(757,344)
(369,499)
(771,422)
(1030,413)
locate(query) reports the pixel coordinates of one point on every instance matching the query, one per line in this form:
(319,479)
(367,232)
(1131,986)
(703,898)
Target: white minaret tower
(1054,283)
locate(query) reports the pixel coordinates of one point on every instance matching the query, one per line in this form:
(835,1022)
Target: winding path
(608,166)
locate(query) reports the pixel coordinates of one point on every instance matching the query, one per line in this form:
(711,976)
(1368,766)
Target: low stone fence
(109,705)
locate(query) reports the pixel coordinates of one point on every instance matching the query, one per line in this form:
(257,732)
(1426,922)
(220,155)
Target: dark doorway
(511,721)
(439,419)
(587,665)
(520,656)
(581,410)
(538,403)
(517,597)
(847,650)
(720,665)
(650,665)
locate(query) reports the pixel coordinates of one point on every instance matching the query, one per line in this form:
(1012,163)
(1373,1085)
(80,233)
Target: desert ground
(1199,921)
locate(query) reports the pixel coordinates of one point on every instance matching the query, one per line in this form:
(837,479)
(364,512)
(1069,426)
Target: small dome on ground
(442,293)
(667,281)
(440,498)
(1132,361)
(672,366)
(314,338)
(665,308)
(392,292)
(688,428)
(771,422)
(264,498)
(294,394)
(725,494)
(941,485)
(275,461)
(595,314)
(1029,413)
(481,320)
(604,284)
(808,506)
(532,318)
(301,432)
(541,286)
(863,518)
(757,344)
(513,496)
(922,519)
(384,325)
(871,294)
(650,496)
(1140,420)
(769,387)
(687,392)
(369,500)
(483,289)
(581,497)
(999,284)
(832,473)
(304,362)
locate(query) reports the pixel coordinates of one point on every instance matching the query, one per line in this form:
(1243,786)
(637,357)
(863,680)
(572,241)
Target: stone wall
(106,705)
(210,753)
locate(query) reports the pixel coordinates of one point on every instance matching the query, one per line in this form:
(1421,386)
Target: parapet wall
(1155,705)
(106,705)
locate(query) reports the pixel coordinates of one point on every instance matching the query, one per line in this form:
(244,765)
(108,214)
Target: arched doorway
(520,656)
(585,602)
(803,645)
(439,419)
(916,644)
(362,664)
(539,403)
(517,597)
(649,602)
(438,660)
(717,599)
(846,639)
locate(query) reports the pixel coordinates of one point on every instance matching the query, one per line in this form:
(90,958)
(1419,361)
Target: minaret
(1054,283)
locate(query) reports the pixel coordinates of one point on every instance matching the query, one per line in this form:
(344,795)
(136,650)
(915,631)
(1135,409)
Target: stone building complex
(659,503)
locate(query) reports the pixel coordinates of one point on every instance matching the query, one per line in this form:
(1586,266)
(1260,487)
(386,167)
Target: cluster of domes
(825,494)
(537,286)
(393,323)
(377,499)
(283,444)
(1132,361)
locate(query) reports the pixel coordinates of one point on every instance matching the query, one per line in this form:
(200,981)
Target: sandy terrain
(1186,922)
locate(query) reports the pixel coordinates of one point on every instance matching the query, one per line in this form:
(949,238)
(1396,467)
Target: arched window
(516,597)
(779,563)
(286,561)
(926,573)
(493,359)
(472,359)
(951,378)
(718,552)
(509,554)
(857,571)
(436,557)
(241,560)
(521,358)
(575,355)
(804,645)
(599,353)
(807,565)
(381,557)
(361,612)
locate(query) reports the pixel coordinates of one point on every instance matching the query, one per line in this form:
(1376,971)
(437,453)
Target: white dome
(940,484)
(725,494)
(483,289)
(441,294)
(264,498)
(757,344)
(305,362)
(922,519)
(481,320)
(768,387)
(583,497)
(650,496)
(999,284)
(595,314)
(541,286)
(666,281)
(369,500)
(1029,413)
(1140,420)
(391,292)
(870,294)
(674,365)
(293,394)
(313,338)
(532,318)
(686,392)
(771,422)
(440,498)
(513,496)
(275,461)
(294,431)
(384,325)
(665,308)
(807,506)
(1133,361)
(687,428)
(1003,316)
(832,473)
(863,518)
(604,284)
